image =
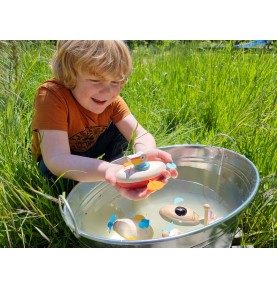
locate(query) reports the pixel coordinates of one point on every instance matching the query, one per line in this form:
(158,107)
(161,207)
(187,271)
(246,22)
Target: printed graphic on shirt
(85,139)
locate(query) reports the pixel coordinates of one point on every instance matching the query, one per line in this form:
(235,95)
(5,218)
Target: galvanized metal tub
(232,178)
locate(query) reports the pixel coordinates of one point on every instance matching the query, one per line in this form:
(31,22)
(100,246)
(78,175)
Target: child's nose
(105,88)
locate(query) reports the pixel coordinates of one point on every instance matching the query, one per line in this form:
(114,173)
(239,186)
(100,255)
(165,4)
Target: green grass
(192,94)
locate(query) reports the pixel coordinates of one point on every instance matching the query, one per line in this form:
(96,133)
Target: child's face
(94,94)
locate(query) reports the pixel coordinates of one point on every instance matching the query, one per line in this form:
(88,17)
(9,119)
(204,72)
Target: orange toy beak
(137,159)
(155,185)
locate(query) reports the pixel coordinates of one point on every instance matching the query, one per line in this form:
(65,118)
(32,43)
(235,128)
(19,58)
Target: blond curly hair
(100,58)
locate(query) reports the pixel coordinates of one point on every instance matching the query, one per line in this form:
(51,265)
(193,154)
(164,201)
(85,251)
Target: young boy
(79,116)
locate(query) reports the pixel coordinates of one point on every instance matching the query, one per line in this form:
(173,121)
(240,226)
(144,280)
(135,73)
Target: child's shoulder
(53,90)
(52,84)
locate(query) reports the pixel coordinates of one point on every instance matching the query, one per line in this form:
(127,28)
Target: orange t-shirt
(55,108)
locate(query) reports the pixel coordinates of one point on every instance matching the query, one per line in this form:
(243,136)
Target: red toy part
(140,184)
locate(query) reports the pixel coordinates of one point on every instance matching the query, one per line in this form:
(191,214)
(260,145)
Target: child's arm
(132,130)
(143,140)
(57,157)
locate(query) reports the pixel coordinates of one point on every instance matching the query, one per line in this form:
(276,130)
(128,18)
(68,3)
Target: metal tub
(232,177)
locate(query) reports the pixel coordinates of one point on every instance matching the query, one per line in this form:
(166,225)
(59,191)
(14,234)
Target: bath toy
(172,232)
(179,215)
(111,222)
(209,216)
(139,172)
(137,228)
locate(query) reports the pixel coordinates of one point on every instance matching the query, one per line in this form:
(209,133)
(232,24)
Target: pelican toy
(137,228)
(139,172)
(179,215)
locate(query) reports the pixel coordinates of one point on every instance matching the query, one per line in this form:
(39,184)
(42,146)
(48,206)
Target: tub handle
(62,201)
(225,135)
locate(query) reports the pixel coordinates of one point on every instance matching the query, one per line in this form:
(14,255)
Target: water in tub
(95,217)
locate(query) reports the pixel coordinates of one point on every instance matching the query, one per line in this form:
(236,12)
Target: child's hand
(159,155)
(134,194)
(142,192)
(111,172)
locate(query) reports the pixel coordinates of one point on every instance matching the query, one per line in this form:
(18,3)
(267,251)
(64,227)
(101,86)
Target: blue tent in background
(253,44)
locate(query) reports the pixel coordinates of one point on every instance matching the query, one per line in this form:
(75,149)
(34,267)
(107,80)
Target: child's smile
(99,102)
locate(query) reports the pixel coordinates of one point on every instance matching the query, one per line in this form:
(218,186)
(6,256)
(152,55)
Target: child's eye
(115,83)
(94,81)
